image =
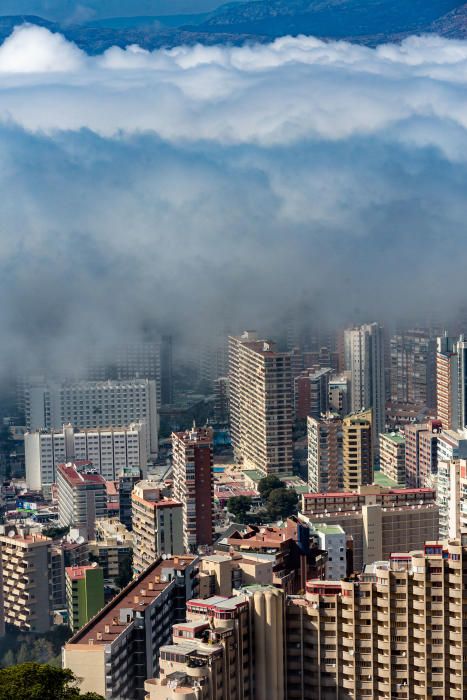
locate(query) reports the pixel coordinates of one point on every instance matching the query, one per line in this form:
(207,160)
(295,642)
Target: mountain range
(368,22)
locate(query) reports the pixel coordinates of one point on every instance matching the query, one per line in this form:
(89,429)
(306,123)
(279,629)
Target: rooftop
(141,592)
(327,529)
(396,438)
(383,480)
(76,573)
(71,472)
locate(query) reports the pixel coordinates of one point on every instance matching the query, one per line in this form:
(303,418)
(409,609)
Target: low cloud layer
(202,187)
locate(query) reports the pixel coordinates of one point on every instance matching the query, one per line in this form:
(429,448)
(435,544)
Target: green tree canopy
(282,503)
(239,506)
(268,484)
(33,681)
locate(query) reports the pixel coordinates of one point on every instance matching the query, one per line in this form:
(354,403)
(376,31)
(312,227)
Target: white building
(137,360)
(364,359)
(332,538)
(452,444)
(86,405)
(109,449)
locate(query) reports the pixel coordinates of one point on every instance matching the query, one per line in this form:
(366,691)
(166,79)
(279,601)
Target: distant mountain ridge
(369,22)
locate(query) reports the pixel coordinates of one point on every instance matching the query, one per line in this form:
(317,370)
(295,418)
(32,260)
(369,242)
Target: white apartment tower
(86,405)
(364,359)
(261,405)
(109,449)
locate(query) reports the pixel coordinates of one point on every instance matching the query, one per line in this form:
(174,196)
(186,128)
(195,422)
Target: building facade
(119,648)
(82,497)
(377,520)
(109,449)
(157,525)
(451,382)
(325,453)
(26,563)
(364,358)
(311,393)
(50,405)
(84,594)
(194,484)
(413,368)
(261,410)
(357,450)
(392,456)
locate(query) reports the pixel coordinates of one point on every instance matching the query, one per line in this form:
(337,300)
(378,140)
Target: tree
(239,506)
(56,532)
(268,484)
(282,503)
(33,681)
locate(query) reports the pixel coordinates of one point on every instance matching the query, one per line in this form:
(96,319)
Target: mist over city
(233,359)
(204,187)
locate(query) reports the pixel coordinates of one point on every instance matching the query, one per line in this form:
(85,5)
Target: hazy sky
(199,187)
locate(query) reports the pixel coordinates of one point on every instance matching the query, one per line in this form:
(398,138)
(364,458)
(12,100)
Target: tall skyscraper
(413,363)
(194,485)
(157,525)
(421,452)
(26,564)
(325,453)
(50,405)
(451,382)
(364,357)
(82,496)
(357,450)
(166,380)
(311,393)
(261,404)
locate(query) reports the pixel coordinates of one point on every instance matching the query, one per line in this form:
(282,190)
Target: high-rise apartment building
(221,400)
(378,520)
(135,360)
(357,459)
(242,657)
(421,452)
(260,404)
(118,649)
(311,393)
(364,358)
(322,359)
(392,456)
(325,453)
(109,449)
(214,359)
(413,368)
(339,394)
(451,382)
(82,497)
(194,484)
(397,631)
(26,563)
(219,649)
(93,405)
(127,479)
(112,548)
(84,594)
(157,525)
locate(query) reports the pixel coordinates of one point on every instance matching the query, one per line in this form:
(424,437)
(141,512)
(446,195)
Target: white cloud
(283,92)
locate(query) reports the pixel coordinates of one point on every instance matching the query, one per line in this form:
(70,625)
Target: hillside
(369,22)
(328,18)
